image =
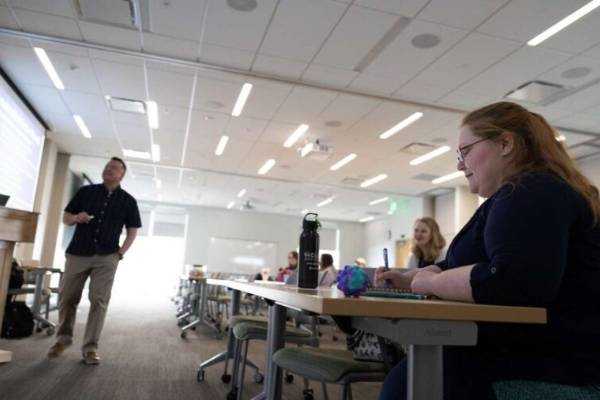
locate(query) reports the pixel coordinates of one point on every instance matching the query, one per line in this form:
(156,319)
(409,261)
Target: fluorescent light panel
(378,201)
(231,204)
(47,64)
(561,138)
(301,130)
(266,166)
(241,100)
(401,125)
(343,162)
(241,193)
(152,111)
(221,146)
(144,155)
(563,23)
(366,219)
(448,177)
(82,126)
(155,152)
(428,156)
(158,183)
(373,180)
(326,201)
(303,212)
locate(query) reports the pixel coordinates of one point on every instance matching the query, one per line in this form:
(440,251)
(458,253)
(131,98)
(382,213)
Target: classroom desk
(424,325)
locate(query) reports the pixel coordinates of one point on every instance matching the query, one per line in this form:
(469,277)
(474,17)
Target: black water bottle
(308,273)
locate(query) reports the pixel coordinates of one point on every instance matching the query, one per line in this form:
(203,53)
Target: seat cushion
(326,365)
(534,390)
(233,321)
(258,331)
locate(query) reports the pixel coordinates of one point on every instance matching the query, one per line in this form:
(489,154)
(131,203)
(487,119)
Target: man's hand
(423,282)
(83,218)
(398,279)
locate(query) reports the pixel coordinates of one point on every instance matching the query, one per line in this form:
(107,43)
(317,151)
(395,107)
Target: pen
(386,266)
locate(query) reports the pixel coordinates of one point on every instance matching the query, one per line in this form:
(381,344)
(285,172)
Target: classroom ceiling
(348,69)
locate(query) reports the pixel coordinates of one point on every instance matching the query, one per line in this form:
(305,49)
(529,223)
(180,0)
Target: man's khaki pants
(101,270)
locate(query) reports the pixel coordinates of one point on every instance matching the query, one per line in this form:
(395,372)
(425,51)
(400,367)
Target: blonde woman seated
(428,244)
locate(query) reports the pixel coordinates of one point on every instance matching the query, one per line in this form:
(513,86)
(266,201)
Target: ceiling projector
(316,150)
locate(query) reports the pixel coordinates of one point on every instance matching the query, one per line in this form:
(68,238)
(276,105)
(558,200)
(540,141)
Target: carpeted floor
(143,357)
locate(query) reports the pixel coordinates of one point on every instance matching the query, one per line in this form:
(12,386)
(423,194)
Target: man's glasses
(462,152)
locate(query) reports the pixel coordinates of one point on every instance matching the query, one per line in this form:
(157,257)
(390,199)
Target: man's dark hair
(326,260)
(117,159)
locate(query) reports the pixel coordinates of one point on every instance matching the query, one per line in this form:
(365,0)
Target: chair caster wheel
(50,331)
(259,378)
(289,378)
(307,394)
(200,375)
(225,378)
(183,335)
(232,395)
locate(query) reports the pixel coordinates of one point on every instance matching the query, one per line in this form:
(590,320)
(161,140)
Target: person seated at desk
(327,274)
(534,242)
(428,244)
(360,262)
(285,273)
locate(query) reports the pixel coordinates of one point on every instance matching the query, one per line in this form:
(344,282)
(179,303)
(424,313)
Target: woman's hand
(423,282)
(398,279)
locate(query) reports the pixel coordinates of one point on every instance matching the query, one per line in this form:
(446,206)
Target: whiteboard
(247,257)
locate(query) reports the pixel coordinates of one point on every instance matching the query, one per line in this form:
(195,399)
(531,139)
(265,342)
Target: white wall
(204,223)
(385,232)
(591,169)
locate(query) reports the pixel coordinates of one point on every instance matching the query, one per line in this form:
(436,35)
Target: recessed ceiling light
(82,126)
(449,177)
(242,5)
(326,201)
(221,146)
(428,156)
(425,41)
(563,23)
(241,193)
(266,166)
(401,125)
(152,114)
(373,180)
(301,130)
(241,100)
(231,204)
(333,124)
(47,64)
(378,201)
(343,162)
(158,183)
(366,219)
(155,152)
(576,72)
(144,155)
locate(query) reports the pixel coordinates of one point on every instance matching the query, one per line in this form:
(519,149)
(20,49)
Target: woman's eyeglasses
(462,152)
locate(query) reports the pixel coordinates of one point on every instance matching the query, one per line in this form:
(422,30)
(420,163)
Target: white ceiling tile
(528,18)
(578,37)
(555,74)
(378,85)
(44,99)
(260,152)
(279,67)
(14,41)
(385,116)
(226,56)
(236,29)
(244,128)
(121,80)
(407,8)
(347,109)
(288,36)
(110,35)
(129,118)
(402,60)
(514,70)
(86,104)
(466,14)
(65,49)
(203,127)
(328,76)
(581,121)
(278,132)
(48,24)
(134,137)
(7,20)
(465,100)
(61,124)
(169,88)
(354,36)
(235,151)
(57,7)
(75,72)
(170,47)
(419,89)
(572,138)
(210,91)
(264,101)
(179,19)
(581,100)
(304,104)
(116,57)
(594,53)
(103,147)
(21,64)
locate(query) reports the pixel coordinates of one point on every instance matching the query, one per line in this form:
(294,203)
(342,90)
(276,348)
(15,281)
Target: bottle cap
(310,223)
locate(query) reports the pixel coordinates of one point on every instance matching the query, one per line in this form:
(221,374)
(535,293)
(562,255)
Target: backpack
(18,320)
(17,278)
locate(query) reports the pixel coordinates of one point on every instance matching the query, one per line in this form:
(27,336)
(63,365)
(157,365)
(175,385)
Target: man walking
(100,212)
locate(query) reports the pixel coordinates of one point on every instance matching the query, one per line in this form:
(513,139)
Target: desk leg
(275,341)
(425,372)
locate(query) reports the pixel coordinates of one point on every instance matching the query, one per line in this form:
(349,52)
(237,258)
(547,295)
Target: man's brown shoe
(56,350)
(91,358)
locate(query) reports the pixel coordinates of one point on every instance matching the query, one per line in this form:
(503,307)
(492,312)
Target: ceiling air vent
(122,13)
(425,177)
(417,148)
(537,92)
(126,105)
(351,181)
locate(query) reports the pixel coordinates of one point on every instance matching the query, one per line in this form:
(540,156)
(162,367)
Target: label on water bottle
(311,260)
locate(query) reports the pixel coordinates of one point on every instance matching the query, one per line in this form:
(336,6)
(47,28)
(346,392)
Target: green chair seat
(535,390)
(221,298)
(233,321)
(325,365)
(254,331)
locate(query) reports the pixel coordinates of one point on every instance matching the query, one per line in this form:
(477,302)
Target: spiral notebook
(394,293)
